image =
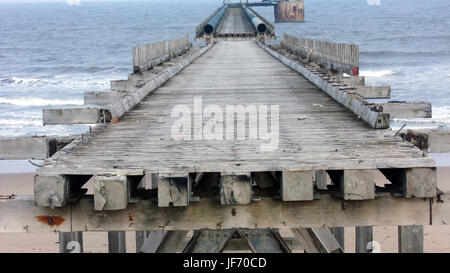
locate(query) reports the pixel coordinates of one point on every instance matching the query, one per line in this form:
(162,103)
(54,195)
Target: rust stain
(130,217)
(115,120)
(51,220)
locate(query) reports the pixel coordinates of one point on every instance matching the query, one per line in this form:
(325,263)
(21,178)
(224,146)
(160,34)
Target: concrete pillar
(339,234)
(364,235)
(117,242)
(140,239)
(71,242)
(410,239)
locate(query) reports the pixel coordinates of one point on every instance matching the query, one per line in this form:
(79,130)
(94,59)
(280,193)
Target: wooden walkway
(235,22)
(315,132)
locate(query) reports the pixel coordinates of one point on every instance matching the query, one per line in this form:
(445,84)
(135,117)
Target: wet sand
(436,238)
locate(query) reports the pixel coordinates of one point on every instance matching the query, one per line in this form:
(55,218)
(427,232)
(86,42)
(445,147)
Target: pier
(311,171)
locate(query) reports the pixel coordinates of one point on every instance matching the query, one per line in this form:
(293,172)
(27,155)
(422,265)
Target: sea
(51,53)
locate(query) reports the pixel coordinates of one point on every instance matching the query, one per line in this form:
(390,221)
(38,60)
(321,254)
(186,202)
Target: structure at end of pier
(289,11)
(284,11)
(235,21)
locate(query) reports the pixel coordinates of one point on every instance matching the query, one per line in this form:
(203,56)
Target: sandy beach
(436,238)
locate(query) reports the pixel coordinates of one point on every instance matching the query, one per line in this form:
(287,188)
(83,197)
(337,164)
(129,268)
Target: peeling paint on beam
(385,210)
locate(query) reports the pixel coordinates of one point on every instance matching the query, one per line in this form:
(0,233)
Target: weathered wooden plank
(235,188)
(297,186)
(374,119)
(22,215)
(410,239)
(406,109)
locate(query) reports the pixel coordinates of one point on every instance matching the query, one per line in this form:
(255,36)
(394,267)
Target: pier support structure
(289,11)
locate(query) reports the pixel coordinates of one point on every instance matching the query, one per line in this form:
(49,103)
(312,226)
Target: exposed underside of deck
(315,132)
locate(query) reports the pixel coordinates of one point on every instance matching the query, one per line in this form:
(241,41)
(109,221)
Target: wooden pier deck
(308,157)
(238,73)
(235,22)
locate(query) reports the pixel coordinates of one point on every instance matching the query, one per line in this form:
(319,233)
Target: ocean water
(51,53)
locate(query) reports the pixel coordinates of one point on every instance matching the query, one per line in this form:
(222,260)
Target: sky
(61,1)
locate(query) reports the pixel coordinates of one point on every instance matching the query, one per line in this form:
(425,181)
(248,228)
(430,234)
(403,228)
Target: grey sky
(53,1)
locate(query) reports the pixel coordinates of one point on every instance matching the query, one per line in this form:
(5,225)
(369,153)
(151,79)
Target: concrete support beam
(421,182)
(110,192)
(355,184)
(117,242)
(317,240)
(410,239)
(31,147)
(20,214)
(51,191)
(339,234)
(374,92)
(364,236)
(82,115)
(102,98)
(264,179)
(235,188)
(174,190)
(141,236)
(322,179)
(297,186)
(357,81)
(403,109)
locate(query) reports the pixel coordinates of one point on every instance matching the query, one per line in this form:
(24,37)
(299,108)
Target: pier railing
(199,30)
(335,56)
(148,55)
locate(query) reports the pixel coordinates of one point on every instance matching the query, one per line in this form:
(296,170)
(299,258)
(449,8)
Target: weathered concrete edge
(385,210)
(377,120)
(107,112)
(31,147)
